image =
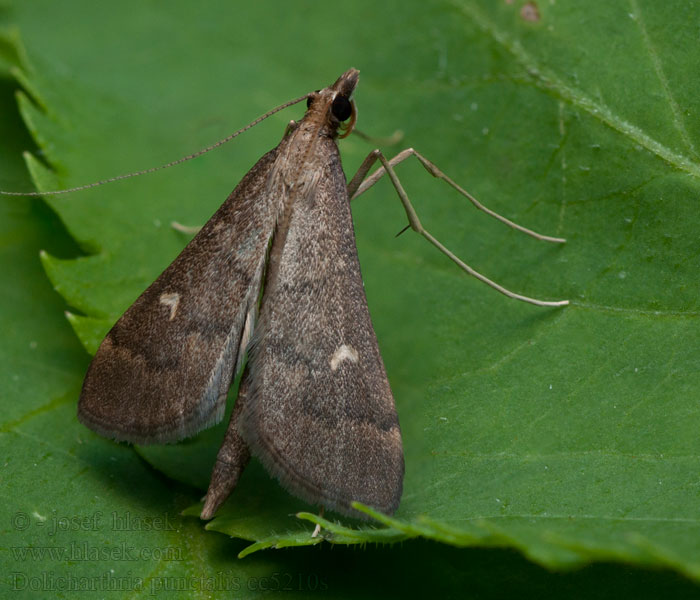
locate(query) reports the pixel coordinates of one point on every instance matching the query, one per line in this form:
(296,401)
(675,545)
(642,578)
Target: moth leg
(359,178)
(317,529)
(391,140)
(186,229)
(233,457)
(291,126)
(358,185)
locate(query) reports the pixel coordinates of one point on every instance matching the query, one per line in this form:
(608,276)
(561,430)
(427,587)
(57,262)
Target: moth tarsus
(273,273)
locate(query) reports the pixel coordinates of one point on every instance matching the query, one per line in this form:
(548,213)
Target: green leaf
(569,435)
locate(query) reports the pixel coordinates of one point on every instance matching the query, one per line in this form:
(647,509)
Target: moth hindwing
(314,404)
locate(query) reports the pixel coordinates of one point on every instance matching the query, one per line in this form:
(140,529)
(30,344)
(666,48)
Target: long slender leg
(317,529)
(186,229)
(359,177)
(233,456)
(358,185)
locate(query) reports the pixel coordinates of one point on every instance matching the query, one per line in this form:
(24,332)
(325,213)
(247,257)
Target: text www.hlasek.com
(83,551)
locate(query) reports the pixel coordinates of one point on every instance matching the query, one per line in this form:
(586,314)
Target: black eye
(342,109)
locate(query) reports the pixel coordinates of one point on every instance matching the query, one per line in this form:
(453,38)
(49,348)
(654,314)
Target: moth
(273,275)
(275,272)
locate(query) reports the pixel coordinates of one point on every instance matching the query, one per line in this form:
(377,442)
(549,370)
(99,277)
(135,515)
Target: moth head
(335,103)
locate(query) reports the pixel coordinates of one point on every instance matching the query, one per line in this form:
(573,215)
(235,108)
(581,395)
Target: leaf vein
(548,81)
(656,61)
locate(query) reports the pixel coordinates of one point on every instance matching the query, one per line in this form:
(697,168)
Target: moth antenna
(166,165)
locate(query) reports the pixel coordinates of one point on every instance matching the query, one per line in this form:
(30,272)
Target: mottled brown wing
(164,370)
(320,414)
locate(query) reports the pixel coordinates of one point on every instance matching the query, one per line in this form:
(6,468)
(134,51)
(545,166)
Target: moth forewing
(164,369)
(320,414)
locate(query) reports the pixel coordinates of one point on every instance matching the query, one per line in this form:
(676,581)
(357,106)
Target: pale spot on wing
(343,352)
(171,299)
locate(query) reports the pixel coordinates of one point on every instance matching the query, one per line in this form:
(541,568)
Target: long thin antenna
(167,165)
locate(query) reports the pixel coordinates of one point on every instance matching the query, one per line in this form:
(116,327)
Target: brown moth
(274,274)
(314,403)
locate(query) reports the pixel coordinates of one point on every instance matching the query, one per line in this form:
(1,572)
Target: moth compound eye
(342,109)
